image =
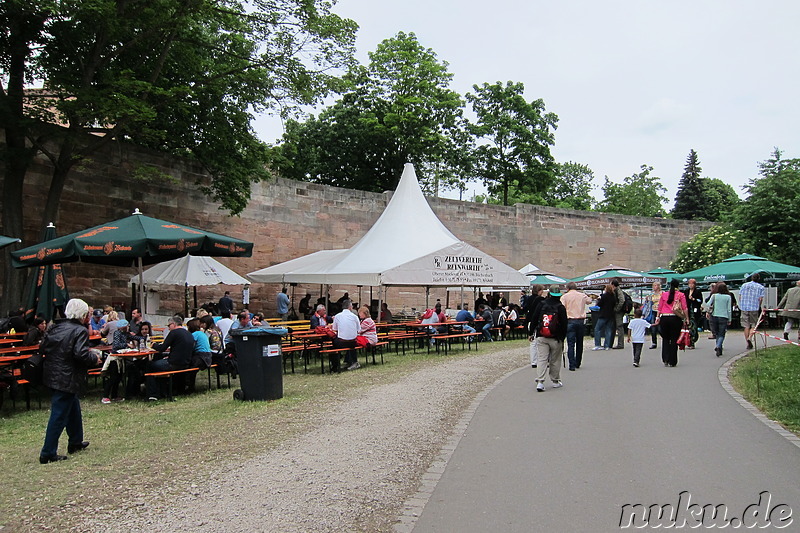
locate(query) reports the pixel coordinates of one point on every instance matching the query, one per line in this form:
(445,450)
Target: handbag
(677,308)
(684,339)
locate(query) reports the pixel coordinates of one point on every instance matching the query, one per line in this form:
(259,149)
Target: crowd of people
(553,321)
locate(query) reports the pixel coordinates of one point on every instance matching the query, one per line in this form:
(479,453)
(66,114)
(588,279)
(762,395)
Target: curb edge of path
(722,374)
(413,506)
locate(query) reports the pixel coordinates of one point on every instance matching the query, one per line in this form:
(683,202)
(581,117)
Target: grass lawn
(770,380)
(136,446)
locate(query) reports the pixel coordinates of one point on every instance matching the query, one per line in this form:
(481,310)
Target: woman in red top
(669,323)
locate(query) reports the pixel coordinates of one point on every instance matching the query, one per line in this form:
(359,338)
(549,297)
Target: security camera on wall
(601,251)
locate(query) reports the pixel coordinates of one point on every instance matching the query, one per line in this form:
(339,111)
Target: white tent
(393,252)
(530,267)
(192,271)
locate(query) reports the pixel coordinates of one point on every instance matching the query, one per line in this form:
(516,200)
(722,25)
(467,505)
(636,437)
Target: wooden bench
(470,338)
(171,373)
(330,351)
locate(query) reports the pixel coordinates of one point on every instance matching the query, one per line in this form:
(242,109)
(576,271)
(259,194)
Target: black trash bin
(258,355)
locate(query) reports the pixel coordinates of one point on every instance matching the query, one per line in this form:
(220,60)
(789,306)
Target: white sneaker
(105,400)
(540,387)
(597,348)
(354,366)
(606,348)
(557,385)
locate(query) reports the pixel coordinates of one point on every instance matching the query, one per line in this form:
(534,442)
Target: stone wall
(286,219)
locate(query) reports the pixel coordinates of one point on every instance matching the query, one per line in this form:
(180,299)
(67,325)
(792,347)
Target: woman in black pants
(669,323)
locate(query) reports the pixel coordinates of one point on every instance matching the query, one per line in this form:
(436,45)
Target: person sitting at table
(305,306)
(486,324)
(113,367)
(201,355)
(111,325)
(135,367)
(35,332)
(511,316)
(367,331)
(180,344)
(97,322)
(224,325)
(386,315)
(430,316)
(320,318)
(346,326)
(465,316)
(242,322)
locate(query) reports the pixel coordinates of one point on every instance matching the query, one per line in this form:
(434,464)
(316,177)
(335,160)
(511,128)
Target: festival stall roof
(530,267)
(191,271)
(739,267)
(285,272)
(628,278)
(8,241)
(542,277)
(392,253)
(667,273)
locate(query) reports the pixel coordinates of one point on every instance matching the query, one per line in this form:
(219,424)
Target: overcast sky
(633,82)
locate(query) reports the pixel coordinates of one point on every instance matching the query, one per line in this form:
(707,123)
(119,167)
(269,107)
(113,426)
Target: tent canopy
(392,253)
(628,278)
(7,241)
(739,267)
(192,271)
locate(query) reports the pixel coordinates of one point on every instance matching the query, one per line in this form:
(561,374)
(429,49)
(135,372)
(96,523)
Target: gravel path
(352,472)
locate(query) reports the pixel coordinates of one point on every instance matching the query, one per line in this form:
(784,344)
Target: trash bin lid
(259,331)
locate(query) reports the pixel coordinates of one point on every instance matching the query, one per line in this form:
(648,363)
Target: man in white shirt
(346,325)
(224,325)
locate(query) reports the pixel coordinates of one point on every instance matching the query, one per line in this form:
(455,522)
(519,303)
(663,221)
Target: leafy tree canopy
(397,109)
(711,246)
(638,195)
(769,214)
(721,199)
(570,188)
(514,138)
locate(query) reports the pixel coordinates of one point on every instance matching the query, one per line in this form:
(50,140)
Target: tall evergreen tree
(690,199)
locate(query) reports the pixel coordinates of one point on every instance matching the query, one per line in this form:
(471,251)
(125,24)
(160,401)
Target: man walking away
(551,330)
(751,298)
(575,303)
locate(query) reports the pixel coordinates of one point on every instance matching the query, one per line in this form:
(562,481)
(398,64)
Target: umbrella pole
(186,300)
(427,297)
(141,284)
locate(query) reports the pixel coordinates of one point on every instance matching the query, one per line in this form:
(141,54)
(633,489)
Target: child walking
(637,330)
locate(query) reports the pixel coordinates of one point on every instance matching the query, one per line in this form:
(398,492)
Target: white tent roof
(394,252)
(289,271)
(528,268)
(191,270)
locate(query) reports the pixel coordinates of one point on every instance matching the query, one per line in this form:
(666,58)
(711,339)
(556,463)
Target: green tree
(514,138)
(397,109)
(769,214)
(638,195)
(570,188)
(176,75)
(690,198)
(720,198)
(711,246)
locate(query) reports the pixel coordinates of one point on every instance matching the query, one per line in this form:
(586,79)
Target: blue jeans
(720,325)
(575,332)
(486,333)
(65,412)
(604,329)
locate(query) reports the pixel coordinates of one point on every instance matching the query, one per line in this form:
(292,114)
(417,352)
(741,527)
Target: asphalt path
(569,459)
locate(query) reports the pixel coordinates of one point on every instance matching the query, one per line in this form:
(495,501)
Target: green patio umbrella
(7,241)
(628,278)
(543,277)
(135,240)
(665,272)
(739,267)
(47,290)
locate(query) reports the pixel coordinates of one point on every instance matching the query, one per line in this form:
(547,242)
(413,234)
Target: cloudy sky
(633,82)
